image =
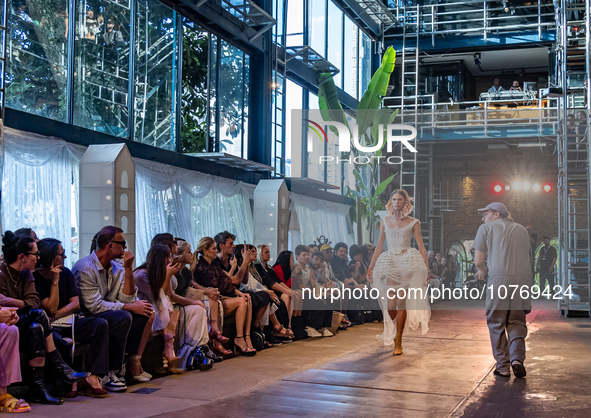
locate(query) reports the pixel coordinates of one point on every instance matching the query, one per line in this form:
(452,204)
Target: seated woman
(283,266)
(233,301)
(256,288)
(271,281)
(153,279)
(17,290)
(57,292)
(210,299)
(11,364)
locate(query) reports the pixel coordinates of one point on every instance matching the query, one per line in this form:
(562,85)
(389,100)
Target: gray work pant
(505,317)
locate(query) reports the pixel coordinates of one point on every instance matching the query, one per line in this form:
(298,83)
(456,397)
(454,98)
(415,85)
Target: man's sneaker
(121,374)
(112,383)
(313,333)
(327,333)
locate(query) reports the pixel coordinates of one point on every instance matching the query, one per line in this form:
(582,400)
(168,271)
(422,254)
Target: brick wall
(538,209)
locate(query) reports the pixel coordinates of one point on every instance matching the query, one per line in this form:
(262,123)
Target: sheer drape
(318,217)
(189,205)
(37,184)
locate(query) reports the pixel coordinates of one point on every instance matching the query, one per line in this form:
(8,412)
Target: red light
(497,188)
(547,187)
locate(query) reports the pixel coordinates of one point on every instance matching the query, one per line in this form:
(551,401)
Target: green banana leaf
(383,185)
(384,117)
(329,103)
(377,89)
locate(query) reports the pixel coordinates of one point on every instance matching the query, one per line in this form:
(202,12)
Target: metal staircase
(573,154)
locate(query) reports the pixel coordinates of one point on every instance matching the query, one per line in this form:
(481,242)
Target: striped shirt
(101,290)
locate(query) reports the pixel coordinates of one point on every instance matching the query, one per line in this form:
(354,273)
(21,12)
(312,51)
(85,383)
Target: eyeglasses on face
(35,254)
(122,243)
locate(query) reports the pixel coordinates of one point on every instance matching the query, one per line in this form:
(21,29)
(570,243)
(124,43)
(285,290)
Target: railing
(474,17)
(541,113)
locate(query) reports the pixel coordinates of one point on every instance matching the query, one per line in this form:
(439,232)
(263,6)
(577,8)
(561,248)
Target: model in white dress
(399,269)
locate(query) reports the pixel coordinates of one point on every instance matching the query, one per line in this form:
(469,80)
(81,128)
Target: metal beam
(352,9)
(468,43)
(216,19)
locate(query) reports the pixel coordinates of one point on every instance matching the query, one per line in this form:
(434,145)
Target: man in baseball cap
(506,245)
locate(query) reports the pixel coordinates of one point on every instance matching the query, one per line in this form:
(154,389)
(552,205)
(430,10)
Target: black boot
(38,390)
(298,328)
(66,373)
(198,360)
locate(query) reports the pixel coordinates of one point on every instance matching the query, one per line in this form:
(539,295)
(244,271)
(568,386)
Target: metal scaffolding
(573,157)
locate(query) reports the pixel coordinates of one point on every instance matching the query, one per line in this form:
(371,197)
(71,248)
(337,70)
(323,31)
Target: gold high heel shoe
(170,360)
(398,345)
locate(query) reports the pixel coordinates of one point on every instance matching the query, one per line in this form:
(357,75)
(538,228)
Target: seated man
(107,290)
(496,86)
(515,86)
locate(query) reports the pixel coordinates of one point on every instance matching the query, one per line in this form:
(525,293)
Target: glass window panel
(335,39)
(101,54)
(233,97)
(155,74)
(295,23)
(213,65)
(365,61)
(293,100)
(349,69)
(318,26)
(315,147)
(36,71)
(195,89)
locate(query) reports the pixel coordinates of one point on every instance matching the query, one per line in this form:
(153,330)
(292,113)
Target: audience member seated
(10,360)
(57,291)
(283,266)
(210,274)
(515,86)
(210,296)
(496,86)
(256,288)
(26,233)
(448,271)
(317,317)
(313,248)
(17,290)
(369,255)
(91,26)
(207,298)
(107,290)
(271,281)
(357,265)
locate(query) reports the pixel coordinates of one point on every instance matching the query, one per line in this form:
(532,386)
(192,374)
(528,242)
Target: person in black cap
(507,246)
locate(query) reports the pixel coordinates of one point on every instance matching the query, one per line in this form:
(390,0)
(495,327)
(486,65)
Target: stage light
(497,188)
(547,187)
(536,187)
(517,185)
(507,187)
(526,185)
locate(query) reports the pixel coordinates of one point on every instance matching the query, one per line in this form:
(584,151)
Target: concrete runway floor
(446,372)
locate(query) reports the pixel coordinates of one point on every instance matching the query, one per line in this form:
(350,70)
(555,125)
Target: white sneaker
(112,383)
(313,333)
(327,333)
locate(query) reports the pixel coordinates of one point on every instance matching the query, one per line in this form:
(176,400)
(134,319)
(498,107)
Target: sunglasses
(122,243)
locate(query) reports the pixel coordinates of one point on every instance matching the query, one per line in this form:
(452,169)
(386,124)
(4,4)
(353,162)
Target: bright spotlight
(547,187)
(497,188)
(517,185)
(507,187)
(526,185)
(536,187)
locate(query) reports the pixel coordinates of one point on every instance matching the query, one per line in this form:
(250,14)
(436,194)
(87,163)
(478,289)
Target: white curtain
(189,205)
(40,185)
(318,217)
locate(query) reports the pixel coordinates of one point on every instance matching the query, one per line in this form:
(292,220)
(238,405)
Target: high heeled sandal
(249,352)
(170,360)
(220,349)
(135,365)
(397,346)
(217,336)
